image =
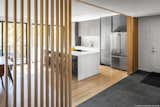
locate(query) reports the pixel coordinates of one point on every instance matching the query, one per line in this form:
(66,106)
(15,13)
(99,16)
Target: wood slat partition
(132,31)
(47,70)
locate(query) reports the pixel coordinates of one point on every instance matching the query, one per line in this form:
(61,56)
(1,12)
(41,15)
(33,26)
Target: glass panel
(11,41)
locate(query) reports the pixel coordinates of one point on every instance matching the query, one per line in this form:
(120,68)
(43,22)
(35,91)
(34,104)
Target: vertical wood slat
(22,52)
(47,53)
(15,54)
(52,54)
(35,50)
(29,50)
(57,53)
(65,67)
(63,57)
(41,56)
(6,53)
(70,56)
(67,54)
(61,53)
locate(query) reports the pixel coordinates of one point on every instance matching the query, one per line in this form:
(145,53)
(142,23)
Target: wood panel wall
(132,31)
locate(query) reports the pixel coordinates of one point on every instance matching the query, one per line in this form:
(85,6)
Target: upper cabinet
(119,23)
(89,28)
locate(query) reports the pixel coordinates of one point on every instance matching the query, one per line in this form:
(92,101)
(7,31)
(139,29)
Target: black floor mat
(152,79)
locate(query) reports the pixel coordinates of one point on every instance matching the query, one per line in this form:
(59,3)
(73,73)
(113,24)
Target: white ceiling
(82,12)
(136,8)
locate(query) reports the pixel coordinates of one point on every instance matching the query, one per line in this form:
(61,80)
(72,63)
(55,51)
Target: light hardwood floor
(85,89)
(81,90)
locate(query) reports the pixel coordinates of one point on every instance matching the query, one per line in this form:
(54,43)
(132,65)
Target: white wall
(149,41)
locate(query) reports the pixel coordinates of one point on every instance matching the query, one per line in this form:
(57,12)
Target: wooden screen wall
(45,80)
(132,31)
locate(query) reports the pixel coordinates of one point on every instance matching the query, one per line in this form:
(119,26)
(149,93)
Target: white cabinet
(87,63)
(89,28)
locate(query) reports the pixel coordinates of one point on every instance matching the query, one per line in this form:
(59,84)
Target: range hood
(120,29)
(119,23)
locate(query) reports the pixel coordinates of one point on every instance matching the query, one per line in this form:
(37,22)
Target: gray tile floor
(129,92)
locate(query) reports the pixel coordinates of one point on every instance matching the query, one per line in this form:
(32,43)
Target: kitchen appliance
(119,50)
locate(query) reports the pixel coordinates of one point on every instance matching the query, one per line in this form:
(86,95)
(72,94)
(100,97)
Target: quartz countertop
(84,51)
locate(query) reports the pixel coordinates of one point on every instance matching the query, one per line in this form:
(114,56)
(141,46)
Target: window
(38,39)
(11,41)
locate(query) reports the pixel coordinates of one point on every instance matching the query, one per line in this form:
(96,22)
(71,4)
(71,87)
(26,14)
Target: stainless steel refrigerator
(119,50)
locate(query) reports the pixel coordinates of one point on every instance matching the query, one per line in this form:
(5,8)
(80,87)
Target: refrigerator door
(119,50)
(123,44)
(116,43)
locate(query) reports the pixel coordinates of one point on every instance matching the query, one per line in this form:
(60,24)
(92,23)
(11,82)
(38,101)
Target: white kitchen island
(88,62)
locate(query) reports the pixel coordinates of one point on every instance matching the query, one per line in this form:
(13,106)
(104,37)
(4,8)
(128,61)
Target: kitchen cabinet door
(89,28)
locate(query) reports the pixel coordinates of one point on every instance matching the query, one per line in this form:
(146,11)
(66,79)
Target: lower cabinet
(74,65)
